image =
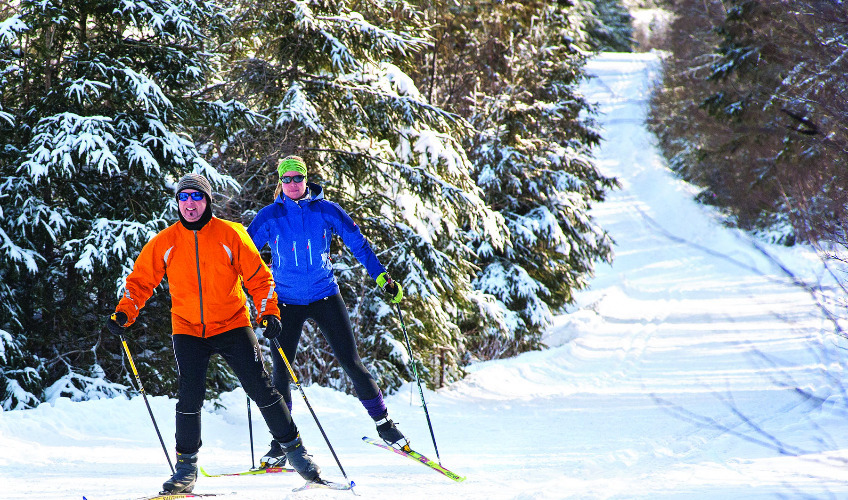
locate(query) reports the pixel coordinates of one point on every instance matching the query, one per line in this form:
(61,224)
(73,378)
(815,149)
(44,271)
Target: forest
(752,108)
(451,131)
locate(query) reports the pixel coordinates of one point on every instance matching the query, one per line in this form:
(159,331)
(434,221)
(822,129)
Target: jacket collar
(314,192)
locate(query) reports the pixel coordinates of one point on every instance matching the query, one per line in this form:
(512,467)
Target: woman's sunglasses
(196,196)
(293,178)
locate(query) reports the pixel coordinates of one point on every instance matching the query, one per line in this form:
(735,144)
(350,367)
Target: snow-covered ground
(694,368)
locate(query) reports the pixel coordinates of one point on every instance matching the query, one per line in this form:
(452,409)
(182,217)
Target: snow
(693,368)
(296,107)
(9,29)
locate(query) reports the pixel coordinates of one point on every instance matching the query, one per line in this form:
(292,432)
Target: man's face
(192,209)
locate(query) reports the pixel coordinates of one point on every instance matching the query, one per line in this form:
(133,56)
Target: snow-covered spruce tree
(95,97)
(512,68)
(762,128)
(332,77)
(609,26)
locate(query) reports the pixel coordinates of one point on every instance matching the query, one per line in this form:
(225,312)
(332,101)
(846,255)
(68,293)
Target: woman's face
(293,189)
(192,209)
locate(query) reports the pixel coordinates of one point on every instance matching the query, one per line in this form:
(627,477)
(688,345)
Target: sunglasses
(293,178)
(196,196)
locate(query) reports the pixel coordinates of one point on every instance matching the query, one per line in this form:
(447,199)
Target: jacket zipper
(199,283)
(294,250)
(309,250)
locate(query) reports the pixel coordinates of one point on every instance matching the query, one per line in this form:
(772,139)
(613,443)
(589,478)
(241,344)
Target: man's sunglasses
(196,196)
(293,178)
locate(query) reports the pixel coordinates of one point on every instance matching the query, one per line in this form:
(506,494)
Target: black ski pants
(240,350)
(332,318)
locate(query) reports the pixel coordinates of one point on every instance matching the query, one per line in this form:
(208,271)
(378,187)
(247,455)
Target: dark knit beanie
(196,182)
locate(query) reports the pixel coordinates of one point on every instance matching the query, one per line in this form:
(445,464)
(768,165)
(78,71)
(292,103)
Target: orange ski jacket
(206,271)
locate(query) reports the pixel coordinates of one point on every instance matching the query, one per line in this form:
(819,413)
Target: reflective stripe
(266,299)
(128,296)
(272,404)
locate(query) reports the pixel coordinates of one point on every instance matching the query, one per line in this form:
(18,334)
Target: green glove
(394,292)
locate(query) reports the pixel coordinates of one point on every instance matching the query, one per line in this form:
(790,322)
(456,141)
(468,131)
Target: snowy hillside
(694,368)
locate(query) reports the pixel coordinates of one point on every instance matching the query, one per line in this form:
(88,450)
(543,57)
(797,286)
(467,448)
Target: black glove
(394,292)
(116,323)
(273,327)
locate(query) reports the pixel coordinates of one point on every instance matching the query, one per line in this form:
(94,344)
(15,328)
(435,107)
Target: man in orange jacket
(208,262)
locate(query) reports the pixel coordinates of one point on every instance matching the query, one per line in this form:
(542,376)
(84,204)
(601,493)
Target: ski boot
(185,475)
(389,432)
(300,460)
(276,456)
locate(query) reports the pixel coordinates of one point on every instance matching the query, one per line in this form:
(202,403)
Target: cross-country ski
(250,472)
(416,457)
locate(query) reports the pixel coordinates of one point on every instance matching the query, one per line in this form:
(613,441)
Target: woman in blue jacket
(298,227)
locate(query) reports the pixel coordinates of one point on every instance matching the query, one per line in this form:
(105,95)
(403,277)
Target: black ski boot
(186,474)
(298,458)
(276,456)
(389,432)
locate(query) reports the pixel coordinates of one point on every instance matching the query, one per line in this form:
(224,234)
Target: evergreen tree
(95,101)
(332,79)
(761,127)
(610,26)
(531,152)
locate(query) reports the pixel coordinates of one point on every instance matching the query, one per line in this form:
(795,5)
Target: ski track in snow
(694,368)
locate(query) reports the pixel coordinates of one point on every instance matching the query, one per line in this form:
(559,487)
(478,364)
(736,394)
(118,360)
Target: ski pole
(315,417)
(250,430)
(418,379)
(144,394)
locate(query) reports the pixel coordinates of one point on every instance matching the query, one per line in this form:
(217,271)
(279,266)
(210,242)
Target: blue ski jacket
(299,234)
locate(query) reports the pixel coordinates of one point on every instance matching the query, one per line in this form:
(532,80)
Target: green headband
(291,164)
